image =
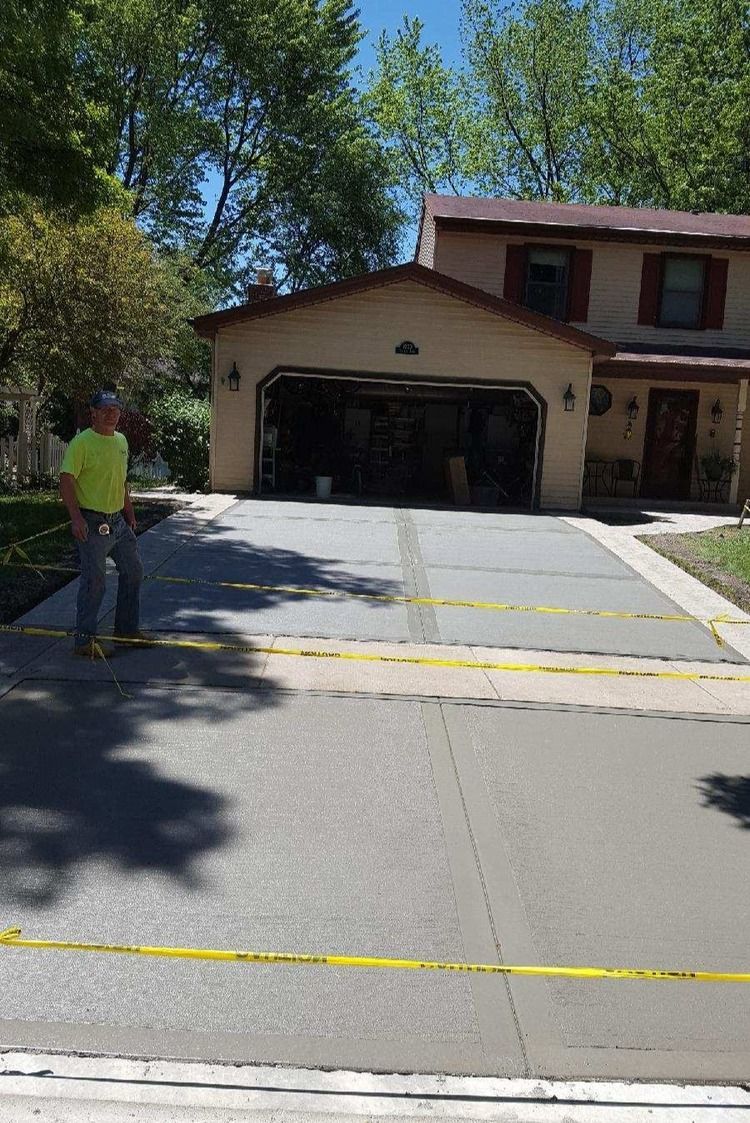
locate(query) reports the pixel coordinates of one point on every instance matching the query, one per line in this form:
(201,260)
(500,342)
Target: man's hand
(80,527)
(129,516)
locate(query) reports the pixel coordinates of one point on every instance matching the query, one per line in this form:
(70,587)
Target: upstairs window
(682,289)
(547,281)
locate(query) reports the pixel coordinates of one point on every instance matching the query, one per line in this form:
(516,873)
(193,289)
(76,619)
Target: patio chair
(712,490)
(626,471)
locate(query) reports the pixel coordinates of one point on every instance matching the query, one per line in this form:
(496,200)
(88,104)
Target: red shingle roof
(636,221)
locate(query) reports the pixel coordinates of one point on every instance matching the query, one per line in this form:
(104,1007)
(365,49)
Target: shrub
(138,431)
(8,419)
(181,430)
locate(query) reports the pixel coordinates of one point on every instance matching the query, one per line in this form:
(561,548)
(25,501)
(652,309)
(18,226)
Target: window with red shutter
(716,292)
(515,273)
(683,290)
(580,285)
(548,280)
(648,305)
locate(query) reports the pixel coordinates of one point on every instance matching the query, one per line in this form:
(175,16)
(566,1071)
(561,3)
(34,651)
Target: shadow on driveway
(730,794)
(85,778)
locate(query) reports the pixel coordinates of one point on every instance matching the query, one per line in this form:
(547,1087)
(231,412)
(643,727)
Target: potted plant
(716,466)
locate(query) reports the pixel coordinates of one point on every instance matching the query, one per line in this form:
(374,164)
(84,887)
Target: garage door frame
(399,379)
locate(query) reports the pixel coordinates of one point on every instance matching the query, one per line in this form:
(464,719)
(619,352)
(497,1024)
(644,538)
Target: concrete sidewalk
(61,1089)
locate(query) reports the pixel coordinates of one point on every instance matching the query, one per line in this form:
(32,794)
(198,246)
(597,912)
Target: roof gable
(207,326)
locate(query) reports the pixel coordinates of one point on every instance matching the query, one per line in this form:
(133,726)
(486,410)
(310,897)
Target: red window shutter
(515,273)
(716,291)
(580,285)
(650,281)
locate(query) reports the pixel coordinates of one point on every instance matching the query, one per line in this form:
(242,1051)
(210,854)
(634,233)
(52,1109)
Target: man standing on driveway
(93,488)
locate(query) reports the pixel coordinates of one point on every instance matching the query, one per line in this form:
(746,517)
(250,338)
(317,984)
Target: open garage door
(393,439)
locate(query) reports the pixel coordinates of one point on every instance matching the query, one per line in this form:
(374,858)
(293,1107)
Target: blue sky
(440,25)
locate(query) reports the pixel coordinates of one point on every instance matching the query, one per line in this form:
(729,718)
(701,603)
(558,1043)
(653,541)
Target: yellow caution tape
(438,602)
(12,547)
(369,657)
(11,937)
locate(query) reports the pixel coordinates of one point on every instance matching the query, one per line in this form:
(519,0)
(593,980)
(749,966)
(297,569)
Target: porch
(667,430)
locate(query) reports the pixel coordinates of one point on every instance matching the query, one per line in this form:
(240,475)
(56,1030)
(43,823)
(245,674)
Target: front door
(670,444)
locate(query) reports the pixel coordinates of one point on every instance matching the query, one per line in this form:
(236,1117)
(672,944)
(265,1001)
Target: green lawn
(719,558)
(29,512)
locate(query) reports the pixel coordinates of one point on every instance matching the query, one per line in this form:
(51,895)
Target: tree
(421,111)
(49,138)
(529,79)
(244,102)
(633,102)
(671,112)
(85,302)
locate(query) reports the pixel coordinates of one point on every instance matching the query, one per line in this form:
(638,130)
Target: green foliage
(181,432)
(629,102)
(255,96)
(421,111)
(716,466)
(8,419)
(529,83)
(85,302)
(60,413)
(50,131)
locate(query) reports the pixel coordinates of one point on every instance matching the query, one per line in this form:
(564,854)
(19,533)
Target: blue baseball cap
(104,398)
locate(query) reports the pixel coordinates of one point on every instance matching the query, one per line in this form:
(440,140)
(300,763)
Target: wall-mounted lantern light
(233,378)
(716,412)
(569,399)
(633,409)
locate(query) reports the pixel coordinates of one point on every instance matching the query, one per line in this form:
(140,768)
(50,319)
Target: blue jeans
(121,544)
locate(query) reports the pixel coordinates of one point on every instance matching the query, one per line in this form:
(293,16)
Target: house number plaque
(407,348)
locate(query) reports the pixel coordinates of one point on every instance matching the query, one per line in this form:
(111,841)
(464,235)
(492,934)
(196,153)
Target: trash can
(323,485)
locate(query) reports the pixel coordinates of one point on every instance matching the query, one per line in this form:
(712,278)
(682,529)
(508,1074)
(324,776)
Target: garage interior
(394,440)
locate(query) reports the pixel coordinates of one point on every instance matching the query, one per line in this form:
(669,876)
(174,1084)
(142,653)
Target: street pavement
(280,804)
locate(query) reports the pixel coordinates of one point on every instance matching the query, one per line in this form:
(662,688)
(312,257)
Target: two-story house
(559,350)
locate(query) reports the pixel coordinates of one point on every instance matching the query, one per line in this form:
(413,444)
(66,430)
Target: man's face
(105,417)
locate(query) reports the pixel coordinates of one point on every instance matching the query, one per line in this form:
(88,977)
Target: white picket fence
(143,469)
(39,455)
(42,455)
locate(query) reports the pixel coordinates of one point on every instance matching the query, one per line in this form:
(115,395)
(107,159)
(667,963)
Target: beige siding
(426,255)
(606,440)
(359,334)
(479,259)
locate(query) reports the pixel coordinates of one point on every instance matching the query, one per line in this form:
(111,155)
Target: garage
(364,436)
(403,385)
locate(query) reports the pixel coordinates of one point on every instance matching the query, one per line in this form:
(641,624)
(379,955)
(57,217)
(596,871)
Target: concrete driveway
(243,801)
(518,559)
(373,826)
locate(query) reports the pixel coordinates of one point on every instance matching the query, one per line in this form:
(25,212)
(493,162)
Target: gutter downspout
(585,432)
(214,420)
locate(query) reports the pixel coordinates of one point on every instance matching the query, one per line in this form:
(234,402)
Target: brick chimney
(263,289)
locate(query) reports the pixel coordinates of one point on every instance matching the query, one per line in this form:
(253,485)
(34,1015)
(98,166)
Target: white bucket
(323,485)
